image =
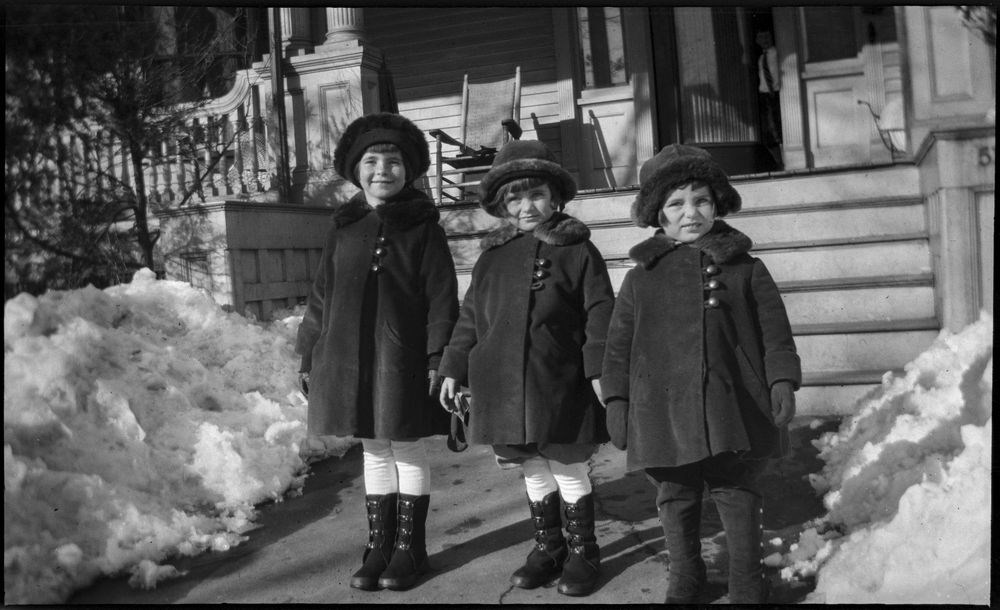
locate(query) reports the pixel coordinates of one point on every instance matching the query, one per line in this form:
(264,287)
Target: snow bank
(140,422)
(907,483)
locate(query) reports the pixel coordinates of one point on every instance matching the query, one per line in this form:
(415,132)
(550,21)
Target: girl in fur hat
(700,368)
(529,343)
(381,310)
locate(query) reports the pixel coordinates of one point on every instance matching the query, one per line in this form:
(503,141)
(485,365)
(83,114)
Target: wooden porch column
(344,25)
(793,128)
(637,26)
(295,30)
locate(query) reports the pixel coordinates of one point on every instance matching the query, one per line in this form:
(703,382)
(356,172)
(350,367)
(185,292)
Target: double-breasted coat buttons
(380,251)
(711,302)
(540,273)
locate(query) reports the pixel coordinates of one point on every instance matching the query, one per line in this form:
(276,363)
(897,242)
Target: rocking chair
(488,120)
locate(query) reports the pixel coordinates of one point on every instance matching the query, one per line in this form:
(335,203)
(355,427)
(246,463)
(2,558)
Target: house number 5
(986,155)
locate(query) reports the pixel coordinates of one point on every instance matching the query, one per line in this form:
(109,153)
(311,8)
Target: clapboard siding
(482,42)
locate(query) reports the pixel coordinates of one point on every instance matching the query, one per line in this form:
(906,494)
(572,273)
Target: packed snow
(907,483)
(142,423)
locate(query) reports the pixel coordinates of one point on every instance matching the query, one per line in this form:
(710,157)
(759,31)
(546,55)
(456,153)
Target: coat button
(712,270)
(379,251)
(536,285)
(712,285)
(381,240)
(541,274)
(376,267)
(542,262)
(711,303)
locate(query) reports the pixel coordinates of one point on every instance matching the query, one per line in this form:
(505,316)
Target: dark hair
(523,184)
(693,183)
(384,147)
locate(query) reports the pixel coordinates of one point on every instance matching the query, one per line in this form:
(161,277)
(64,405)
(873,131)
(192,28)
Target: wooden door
(705,69)
(845,80)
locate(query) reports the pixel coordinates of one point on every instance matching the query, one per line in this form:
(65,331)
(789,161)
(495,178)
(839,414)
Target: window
(602,46)
(196,270)
(830,33)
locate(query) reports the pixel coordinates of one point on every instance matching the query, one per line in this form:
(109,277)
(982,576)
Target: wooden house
(874,214)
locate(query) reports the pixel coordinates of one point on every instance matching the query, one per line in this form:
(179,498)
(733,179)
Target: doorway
(707,82)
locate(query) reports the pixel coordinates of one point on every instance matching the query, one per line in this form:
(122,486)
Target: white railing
(222,152)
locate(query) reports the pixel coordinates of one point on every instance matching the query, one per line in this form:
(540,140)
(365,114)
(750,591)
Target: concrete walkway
(479,531)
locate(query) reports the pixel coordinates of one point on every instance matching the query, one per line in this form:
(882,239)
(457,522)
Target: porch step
(830,400)
(800,190)
(833,262)
(852,351)
(812,311)
(850,251)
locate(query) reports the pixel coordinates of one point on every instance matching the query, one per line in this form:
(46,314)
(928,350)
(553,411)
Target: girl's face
(526,209)
(688,213)
(382,175)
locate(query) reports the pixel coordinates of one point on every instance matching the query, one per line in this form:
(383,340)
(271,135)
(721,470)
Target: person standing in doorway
(768,88)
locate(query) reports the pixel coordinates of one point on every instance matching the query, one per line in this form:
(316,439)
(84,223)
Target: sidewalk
(479,531)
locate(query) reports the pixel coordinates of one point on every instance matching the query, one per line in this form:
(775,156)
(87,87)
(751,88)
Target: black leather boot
(583,566)
(381,540)
(409,557)
(680,516)
(741,513)
(546,559)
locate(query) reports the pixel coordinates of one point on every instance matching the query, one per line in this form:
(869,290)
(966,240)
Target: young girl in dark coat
(700,368)
(529,343)
(381,310)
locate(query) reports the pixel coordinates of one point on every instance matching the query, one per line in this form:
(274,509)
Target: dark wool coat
(690,364)
(528,353)
(369,337)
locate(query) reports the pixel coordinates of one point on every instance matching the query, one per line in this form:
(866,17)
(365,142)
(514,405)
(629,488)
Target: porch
(878,231)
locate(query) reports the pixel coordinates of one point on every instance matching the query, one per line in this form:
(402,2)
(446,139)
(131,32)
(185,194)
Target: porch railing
(222,151)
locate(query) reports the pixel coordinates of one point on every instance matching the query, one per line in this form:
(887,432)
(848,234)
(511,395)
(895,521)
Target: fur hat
(524,159)
(382,128)
(676,165)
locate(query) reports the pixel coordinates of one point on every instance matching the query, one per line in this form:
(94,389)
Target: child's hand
(782,402)
(597,389)
(447,396)
(433,382)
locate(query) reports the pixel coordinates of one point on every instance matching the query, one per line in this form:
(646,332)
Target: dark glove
(782,402)
(616,419)
(304,382)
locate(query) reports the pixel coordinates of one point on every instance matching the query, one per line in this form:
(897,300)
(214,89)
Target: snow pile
(907,484)
(140,422)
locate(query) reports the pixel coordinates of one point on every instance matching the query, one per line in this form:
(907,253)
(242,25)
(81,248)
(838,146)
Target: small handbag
(460,421)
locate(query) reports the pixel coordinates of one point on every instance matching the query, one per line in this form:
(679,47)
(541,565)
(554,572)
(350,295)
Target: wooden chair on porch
(489,114)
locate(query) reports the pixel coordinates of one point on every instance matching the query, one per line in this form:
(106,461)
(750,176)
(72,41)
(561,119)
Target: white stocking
(573,480)
(414,467)
(380,468)
(538,478)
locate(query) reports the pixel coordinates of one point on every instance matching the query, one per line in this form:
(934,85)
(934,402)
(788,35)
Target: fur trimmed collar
(723,243)
(407,209)
(559,230)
